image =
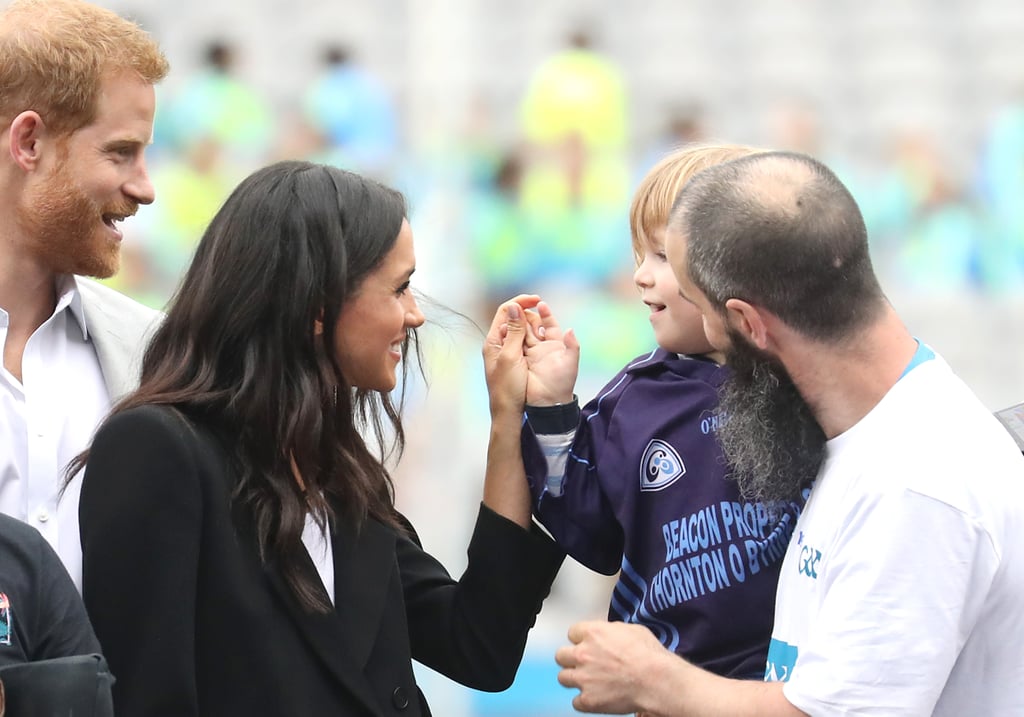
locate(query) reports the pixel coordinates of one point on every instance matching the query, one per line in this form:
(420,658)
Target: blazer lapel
(118,329)
(344,638)
(363,568)
(111,349)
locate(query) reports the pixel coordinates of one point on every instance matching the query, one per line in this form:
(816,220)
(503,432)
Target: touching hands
(528,358)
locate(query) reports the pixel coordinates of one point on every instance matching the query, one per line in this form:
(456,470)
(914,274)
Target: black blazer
(193,623)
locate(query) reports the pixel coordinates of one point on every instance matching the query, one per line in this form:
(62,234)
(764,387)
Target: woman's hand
(505,488)
(505,366)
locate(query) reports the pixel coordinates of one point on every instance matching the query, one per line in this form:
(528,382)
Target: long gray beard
(770,438)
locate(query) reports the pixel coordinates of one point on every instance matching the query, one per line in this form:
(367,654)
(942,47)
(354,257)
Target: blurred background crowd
(518,131)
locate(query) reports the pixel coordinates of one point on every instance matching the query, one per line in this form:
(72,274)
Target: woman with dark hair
(242,551)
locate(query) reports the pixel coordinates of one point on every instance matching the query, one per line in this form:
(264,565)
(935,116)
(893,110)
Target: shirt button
(42,516)
(399,698)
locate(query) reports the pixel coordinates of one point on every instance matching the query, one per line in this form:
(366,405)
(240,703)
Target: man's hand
(616,666)
(621,668)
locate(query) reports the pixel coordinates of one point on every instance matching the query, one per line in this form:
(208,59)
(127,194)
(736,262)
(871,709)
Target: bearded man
(900,592)
(76,108)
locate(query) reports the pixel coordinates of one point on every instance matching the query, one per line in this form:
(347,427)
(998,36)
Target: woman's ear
(318,324)
(749,320)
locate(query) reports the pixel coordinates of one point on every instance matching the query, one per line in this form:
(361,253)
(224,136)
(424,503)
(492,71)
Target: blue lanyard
(922,354)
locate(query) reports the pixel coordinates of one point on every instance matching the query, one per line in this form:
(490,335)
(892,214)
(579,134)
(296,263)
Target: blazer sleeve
(140,515)
(474,630)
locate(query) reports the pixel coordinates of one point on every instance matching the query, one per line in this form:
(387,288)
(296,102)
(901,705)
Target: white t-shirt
(902,592)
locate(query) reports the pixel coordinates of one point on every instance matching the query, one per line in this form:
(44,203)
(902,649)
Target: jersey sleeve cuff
(560,418)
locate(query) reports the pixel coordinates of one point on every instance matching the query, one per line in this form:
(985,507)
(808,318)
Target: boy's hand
(552,360)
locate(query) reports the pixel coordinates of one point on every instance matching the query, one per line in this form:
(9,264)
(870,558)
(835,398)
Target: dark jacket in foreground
(41,613)
(192,623)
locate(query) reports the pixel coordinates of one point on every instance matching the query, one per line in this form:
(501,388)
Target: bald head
(780,231)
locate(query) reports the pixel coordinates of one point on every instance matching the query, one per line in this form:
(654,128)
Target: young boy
(636,483)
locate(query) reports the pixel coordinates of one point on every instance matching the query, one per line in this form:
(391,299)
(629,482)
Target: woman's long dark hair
(238,352)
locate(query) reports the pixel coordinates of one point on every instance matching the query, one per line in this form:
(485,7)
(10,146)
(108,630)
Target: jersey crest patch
(660,467)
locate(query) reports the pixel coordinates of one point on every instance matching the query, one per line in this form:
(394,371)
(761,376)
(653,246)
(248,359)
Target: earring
(335,396)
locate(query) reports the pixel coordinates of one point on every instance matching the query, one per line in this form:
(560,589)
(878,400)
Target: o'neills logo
(660,467)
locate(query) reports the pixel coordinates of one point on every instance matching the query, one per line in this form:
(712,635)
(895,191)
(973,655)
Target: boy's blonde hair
(653,200)
(55,53)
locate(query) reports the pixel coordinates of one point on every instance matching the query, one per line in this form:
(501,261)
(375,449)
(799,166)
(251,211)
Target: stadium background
(518,156)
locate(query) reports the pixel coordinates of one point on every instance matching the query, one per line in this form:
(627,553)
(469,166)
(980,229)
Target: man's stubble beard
(67,231)
(770,438)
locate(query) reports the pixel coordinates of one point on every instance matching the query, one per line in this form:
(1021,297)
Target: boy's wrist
(540,401)
(556,418)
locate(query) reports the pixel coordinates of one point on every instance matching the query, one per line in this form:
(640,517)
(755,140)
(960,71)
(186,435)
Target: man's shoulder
(935,438)
(939,410)
(95,294)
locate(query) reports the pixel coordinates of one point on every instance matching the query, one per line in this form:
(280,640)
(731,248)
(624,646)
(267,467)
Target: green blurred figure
(576,180)
(215,103)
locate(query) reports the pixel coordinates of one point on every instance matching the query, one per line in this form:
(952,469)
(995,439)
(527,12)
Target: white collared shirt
(46,419)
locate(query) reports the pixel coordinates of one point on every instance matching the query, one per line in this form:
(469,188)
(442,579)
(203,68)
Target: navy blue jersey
(636,483)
